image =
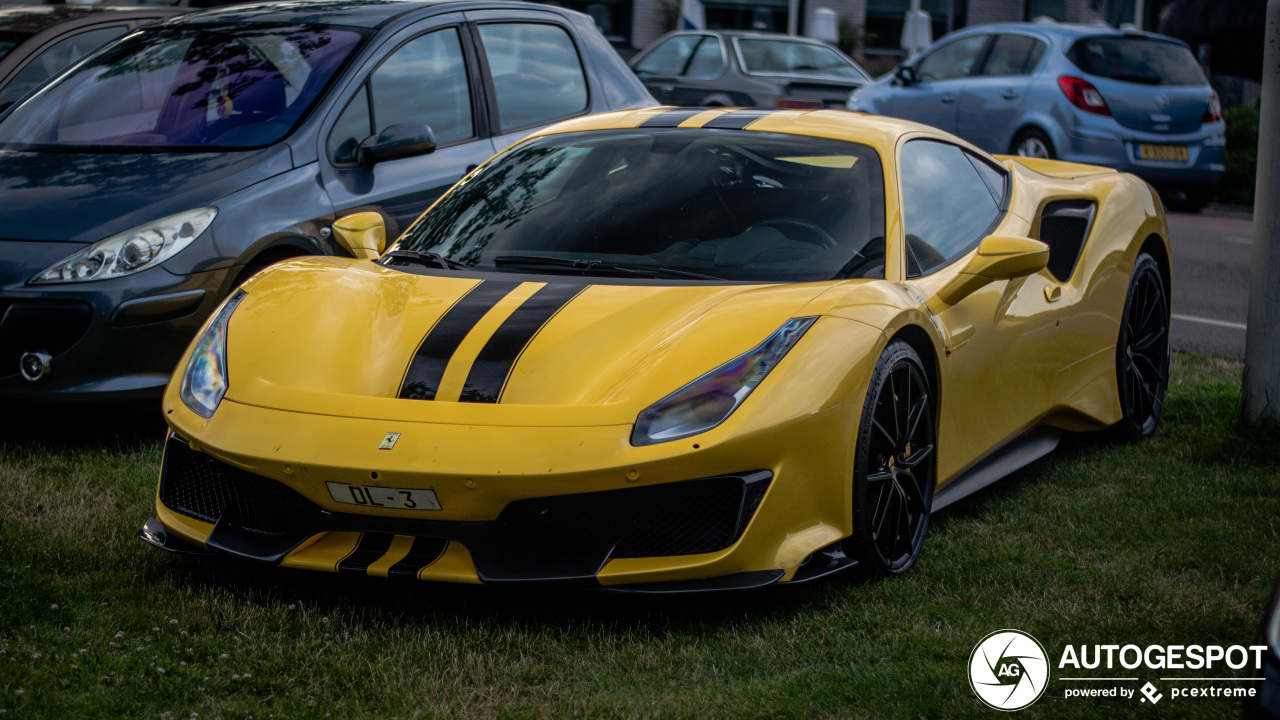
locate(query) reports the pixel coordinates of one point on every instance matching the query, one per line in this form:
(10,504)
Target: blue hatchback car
(1131,100)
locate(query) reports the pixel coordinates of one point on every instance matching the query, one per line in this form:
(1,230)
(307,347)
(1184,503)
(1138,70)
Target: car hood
(85,197)
(333,336)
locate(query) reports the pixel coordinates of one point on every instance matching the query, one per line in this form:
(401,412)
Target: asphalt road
(1210,281)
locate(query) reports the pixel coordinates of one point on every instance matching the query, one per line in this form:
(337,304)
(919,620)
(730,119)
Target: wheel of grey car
(895,466)
(1033,142)
(1142,351)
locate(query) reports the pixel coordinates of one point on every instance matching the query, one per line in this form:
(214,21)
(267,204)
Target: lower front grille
(198,486)
(51,326)
(557,537)
(682,518)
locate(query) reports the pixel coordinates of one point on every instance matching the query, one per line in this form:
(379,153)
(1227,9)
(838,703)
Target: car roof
(353,13)
(1063,32)
(33,18)
(749,34)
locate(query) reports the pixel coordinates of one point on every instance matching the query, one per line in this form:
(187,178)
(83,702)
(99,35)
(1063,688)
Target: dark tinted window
(353,126)
(708,60)
(953,60)
(734,205)
(670,57)
(1138,60)
(10,40)
(56,58)
(537,76)
(947,207)
(186,87)
(1013,55)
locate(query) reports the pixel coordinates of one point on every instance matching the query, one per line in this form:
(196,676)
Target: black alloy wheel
(1142,351)
(896,464)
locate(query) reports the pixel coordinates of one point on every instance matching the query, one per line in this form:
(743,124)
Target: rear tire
(1142,351)
(1033,142)
(895,467)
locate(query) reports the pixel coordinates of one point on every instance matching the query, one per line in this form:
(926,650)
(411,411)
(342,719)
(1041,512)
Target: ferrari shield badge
(389,441)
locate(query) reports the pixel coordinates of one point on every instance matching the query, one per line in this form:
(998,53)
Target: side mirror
(906,75)
(395,142)
(999,257)
(362,234)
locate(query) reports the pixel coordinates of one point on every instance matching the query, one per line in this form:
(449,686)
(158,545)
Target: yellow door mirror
(999,257)
(362,234)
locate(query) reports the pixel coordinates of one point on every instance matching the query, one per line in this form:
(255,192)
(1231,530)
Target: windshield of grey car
(664,203)
(188,87)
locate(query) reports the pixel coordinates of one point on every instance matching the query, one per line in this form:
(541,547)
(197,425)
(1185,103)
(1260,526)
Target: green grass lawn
(1171,541)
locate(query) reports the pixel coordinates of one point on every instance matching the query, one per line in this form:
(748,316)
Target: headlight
(712,398)
(204,382)
(130,251)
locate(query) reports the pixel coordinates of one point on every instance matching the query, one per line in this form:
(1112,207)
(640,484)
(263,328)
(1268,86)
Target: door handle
(948,98)
(1009,95)
(666,88)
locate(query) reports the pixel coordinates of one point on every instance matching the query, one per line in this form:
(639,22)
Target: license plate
(384,497)
(1166,153)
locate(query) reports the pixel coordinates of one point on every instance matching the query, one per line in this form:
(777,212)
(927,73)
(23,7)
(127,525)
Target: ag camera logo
(1008,670)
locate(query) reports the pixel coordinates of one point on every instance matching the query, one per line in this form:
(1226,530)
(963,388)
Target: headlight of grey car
(130,251)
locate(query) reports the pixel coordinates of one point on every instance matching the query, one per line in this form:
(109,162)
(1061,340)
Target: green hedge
(1237,183)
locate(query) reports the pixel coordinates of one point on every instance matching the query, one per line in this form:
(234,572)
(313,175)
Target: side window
(353,126)
(953,60)
(708,60)
(56,58)
(946,204)
(1013,55)
(537,74)
(424,82)
(670,57)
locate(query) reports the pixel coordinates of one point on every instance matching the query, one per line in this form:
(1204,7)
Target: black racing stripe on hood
(422,553)
(426,369)
(488,374)
(371,547)
(737,119)
(671,118)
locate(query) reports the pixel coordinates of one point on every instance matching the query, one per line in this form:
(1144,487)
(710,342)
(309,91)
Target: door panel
(428,78)
(942,75)
(991,103)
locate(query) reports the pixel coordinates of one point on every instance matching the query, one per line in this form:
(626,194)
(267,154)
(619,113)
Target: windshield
(796,58)
(188,87)
(718,204)
(1137,60)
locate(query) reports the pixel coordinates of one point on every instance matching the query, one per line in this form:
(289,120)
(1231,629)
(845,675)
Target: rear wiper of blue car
(429,259)
(590,266)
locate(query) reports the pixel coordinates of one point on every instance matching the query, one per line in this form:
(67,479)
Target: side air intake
(1064,225)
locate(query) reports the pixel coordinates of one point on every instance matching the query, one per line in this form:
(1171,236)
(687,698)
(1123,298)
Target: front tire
(895,467)
(1142,351)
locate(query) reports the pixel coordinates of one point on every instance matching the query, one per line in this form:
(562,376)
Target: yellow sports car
(671,349)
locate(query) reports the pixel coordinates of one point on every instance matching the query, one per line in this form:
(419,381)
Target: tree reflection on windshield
(186,87)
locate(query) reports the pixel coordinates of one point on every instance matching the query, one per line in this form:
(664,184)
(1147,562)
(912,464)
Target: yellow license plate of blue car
(384,497)
(1165,153)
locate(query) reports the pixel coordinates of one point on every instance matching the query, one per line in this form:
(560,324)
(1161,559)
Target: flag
(691,15)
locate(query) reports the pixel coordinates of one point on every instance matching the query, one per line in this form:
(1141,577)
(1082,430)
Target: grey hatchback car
(1131,100)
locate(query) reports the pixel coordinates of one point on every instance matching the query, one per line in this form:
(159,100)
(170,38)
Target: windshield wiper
(589,266)
(429,259)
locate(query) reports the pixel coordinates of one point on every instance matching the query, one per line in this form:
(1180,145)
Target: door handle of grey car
(948,98)
(1009,95)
